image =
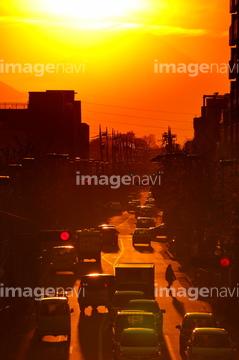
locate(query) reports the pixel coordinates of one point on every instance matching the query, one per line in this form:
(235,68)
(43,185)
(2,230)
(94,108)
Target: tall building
(207,127)
(52,119)
(233,128)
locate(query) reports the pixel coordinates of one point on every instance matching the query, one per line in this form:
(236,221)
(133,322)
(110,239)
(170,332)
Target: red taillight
(65,235)
(105,285)
(116,234)
(225,262)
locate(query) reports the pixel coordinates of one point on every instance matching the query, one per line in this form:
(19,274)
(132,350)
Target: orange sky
(117,46)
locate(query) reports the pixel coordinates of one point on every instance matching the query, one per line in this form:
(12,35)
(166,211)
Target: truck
(88,245)
(136,276)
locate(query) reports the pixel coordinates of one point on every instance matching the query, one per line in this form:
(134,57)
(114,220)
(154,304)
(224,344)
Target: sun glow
(92,9)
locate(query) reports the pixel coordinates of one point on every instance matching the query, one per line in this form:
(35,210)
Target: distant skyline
(118,48)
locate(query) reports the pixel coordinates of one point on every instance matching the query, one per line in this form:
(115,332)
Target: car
(146,210)
(144,222)
(149,305)
(105,225)
(210,343)
(53,317)
(160,230)
(141,236)
(114,206)
(190,322)
(137,211)
(149,201)
(136,202)
(64,258)
(131,206)
(129,319)
(96,290)
(109,235)
(143,211)
(138,343)
(121,299)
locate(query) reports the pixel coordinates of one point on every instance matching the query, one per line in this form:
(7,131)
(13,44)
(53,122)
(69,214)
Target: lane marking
(122,250)
(102,257)
(125,221)
(170,348)
(117,258)
(101,339)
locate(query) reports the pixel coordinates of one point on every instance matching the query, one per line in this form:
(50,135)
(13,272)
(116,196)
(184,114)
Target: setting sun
(91,9)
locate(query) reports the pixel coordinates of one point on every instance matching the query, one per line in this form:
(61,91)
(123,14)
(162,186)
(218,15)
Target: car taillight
(157,353)
(105,285)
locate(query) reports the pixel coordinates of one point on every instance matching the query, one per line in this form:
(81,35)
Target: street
(91,336)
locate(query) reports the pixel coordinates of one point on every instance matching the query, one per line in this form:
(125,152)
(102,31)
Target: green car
(210,343)
(149,306)
(190,322)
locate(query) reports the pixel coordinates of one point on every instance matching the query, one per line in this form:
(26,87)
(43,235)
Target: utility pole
(101,150)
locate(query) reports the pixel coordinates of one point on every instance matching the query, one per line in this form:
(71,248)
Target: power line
(151,126)
(140,100)
(130,108)
(133,116)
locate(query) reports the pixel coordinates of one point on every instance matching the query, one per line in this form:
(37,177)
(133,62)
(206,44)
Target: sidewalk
(227,317)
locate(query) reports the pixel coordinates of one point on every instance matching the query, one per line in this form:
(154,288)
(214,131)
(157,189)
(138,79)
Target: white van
(54,317)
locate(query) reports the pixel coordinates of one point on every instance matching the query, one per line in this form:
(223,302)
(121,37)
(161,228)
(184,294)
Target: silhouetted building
(233,128)
(52,119)
(207,126)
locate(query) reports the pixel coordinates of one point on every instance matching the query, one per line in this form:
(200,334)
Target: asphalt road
(91,337)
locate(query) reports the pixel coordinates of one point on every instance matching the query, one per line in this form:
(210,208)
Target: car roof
(208,330)
(145,229)
(198,314)
(54,299)
(144,218)
(127,292)
(100,275)
(144,301)
(134,312)
(108,228)
(64,247)
(139,331)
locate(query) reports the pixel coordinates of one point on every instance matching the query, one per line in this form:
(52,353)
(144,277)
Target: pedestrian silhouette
(169,276)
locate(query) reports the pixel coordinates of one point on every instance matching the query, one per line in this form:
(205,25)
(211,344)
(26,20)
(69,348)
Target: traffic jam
(120,315)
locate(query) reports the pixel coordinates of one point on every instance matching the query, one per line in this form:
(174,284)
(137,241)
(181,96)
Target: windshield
(135,320)
(141,232)
(149,307)
(192,323)
(63,252)
(139,340)
(211,341)
(54,309)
